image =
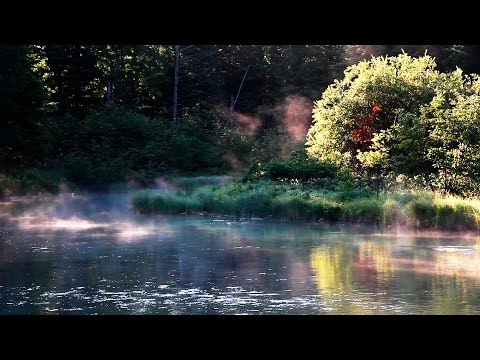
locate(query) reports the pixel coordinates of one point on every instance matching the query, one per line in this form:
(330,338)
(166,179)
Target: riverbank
(30,182)
(420,210)
(36,181)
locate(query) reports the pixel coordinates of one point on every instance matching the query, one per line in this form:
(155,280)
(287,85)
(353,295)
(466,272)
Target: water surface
(89,254)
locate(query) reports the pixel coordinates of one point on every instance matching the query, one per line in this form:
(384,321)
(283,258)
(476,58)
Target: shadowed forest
(91,116)
(385,119)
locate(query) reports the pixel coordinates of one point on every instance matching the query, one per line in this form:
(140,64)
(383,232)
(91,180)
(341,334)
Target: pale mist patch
(248,124)
(77,216)
(235,163)
(297,116)
(164,185)
(356,53)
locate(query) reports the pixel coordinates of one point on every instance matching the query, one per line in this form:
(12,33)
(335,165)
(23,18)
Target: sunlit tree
(399,115)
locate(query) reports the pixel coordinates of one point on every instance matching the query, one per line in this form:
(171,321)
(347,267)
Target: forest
(385,118)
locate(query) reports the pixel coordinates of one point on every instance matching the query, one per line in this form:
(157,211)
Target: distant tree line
(103,113)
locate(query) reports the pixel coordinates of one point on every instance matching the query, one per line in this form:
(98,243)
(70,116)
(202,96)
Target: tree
(137,77)
(399,115)
(377,92)
(72,77)
(454,137)
(22,106)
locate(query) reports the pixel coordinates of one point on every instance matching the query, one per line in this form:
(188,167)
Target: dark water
(90,255)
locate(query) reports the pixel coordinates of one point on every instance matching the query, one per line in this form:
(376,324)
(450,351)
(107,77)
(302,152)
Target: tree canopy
(399,115)
(110,107)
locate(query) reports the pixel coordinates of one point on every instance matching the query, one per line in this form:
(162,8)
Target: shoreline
(420,210)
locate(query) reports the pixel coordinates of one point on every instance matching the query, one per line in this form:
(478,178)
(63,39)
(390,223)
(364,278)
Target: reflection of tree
(333,267)
(352,279)
(355,272)
(374,262)
(454,286)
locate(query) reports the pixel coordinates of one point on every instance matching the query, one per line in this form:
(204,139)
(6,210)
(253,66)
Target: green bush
(368,211)
(421,212)
(280,170)
(398,115)
(298,168)
(118,145)
(29,181)
(454,214)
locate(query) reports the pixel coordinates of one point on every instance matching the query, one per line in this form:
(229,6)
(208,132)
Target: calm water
(90,255)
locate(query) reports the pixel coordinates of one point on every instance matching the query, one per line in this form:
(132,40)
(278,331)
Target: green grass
(29,181)
(187,185)
(422,210)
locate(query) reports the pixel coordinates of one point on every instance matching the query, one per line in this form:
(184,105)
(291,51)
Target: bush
(369,211)
(421,212)
(298,168)
(117,145)
(29,181)
(452,213)
(393,116)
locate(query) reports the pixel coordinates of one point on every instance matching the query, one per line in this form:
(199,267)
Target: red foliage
(365,127)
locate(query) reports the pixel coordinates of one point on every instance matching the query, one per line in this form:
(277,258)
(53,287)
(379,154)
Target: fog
(89,253)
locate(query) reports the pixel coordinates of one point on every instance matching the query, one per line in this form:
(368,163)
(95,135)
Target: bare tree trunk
(109,93)
(234,102)
(230,114)
(175,86)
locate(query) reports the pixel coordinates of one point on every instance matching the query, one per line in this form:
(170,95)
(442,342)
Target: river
(89,254)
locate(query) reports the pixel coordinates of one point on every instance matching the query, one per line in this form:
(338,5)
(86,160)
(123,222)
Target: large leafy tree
(453,118)
(371,97)
(400,115)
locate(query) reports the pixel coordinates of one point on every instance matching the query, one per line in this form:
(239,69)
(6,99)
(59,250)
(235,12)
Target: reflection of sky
(91,255)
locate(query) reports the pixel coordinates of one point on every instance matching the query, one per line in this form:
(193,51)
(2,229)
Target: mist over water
(89,254)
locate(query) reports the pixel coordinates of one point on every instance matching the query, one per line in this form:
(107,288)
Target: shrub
(367,211)
(117,145)
(421,213)
(29,181)
(298,168)
(393,116)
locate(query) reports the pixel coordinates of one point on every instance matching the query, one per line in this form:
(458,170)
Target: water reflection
(90,255)
(379,276)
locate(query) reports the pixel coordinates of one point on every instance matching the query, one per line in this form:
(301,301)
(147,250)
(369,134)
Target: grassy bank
(35,181)
(302,202)
(29,182)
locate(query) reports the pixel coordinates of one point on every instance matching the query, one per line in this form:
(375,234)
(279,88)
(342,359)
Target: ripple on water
(454,249)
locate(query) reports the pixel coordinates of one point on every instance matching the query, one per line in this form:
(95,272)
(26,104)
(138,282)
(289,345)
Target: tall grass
(300,202)
(189,184)
(29,181)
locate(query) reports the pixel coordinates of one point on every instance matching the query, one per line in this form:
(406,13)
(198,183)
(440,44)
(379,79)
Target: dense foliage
(400,116)
(115,145)
(298,168)
(22,107)
(92,115)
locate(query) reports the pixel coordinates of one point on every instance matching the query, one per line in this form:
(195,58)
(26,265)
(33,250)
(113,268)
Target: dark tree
(22,106)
